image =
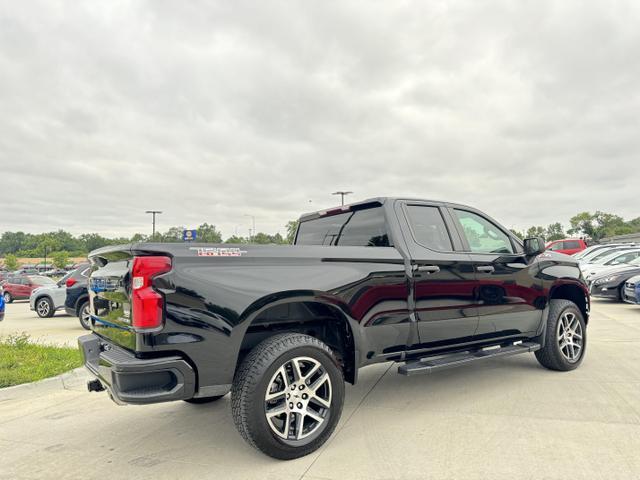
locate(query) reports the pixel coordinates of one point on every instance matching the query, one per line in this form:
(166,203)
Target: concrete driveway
(61,329)
(503,419)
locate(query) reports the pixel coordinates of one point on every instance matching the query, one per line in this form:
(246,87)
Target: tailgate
(110,295)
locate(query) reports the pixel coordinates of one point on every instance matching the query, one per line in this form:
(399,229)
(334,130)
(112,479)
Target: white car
(596,255)
(47,299)
(615,258)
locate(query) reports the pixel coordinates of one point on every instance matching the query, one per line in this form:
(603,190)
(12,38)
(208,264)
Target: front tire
(566,337)
(44,307)
(287,395)
(84,315)
(8,298)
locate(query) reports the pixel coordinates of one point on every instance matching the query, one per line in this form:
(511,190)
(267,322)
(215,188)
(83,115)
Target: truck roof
(371,202)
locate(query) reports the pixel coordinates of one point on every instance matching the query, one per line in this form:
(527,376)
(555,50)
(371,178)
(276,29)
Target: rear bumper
(134,380)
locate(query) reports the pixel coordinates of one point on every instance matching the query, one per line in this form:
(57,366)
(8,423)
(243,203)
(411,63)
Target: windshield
(599,255)
(40,280)
(612,256)
(588,251)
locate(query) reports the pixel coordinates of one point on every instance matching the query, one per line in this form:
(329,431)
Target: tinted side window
(429,228)
(557,246)
(571,244)
(321,231)
(482,235)
(363,228)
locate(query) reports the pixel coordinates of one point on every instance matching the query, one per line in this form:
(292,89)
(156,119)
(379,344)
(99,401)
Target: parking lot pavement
(61,329)
(504,419)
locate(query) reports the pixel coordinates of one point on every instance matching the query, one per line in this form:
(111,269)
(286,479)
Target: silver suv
(47,299)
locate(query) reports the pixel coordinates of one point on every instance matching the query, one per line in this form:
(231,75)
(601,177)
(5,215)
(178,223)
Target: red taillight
(70,282)
(147,303)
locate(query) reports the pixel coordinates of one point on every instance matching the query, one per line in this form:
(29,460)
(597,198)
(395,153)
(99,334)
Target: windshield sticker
(218,252)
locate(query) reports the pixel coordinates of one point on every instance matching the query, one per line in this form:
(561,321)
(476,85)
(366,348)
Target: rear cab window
(360,228)
(428,227)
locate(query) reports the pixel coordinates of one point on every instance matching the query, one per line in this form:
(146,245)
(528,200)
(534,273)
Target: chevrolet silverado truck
(429,285)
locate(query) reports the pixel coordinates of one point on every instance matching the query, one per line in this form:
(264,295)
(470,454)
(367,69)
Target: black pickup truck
(430,285)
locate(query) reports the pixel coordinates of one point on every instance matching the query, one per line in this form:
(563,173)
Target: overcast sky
(212,110)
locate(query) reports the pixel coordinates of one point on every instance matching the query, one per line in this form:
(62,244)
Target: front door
(509,297)
(443,278)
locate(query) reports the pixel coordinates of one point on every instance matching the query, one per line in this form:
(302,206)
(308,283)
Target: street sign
(189,235)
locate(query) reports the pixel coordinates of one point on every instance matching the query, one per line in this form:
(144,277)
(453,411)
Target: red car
(568,246)
(20,286)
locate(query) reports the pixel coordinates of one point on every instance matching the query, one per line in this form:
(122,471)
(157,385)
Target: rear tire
(199,401)
(44,307)
(7,297)
(84,315)
(287,395)
(566,337)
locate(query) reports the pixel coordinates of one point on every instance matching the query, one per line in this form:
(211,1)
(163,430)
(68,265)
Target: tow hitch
(95,386)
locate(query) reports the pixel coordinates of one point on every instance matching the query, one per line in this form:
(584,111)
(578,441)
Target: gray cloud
(212,110)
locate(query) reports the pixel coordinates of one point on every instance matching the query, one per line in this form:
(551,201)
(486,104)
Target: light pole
(153,213)
(253,223)
(342,195)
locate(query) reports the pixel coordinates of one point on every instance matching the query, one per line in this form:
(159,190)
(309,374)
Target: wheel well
(574,294)
(310,318)
(40,297)
(79,304)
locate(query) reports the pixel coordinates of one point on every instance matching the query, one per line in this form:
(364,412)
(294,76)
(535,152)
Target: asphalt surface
(502,419)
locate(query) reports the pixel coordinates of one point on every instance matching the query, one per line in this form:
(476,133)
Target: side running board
(432,364)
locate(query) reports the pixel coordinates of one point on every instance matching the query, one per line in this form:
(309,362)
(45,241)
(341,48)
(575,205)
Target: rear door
(509,297)
(24,287)
(443,276)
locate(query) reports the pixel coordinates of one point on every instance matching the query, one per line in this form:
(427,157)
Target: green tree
(535,232)
(598,225)
(11,242)
(555,231)
(518,234)
(292,228)
(47,245)
(60,259)
(11,262)
(92,241)
(236,239)
(139,238)
(173,235)
(208,234)
(265,239)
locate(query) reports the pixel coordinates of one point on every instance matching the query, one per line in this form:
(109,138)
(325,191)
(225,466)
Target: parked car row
(47,296)
(612,270)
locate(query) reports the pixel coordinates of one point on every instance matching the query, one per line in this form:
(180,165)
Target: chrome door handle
(485,269)
(428,268)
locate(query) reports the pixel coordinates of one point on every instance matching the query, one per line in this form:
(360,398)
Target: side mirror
(533,246)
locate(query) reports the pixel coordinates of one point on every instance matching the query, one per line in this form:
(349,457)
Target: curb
(66,381)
